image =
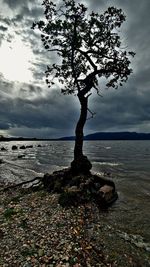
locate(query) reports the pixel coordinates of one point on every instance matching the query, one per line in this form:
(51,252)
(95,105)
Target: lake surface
(126,162)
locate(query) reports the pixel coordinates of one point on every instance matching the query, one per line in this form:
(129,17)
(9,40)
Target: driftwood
(22,183)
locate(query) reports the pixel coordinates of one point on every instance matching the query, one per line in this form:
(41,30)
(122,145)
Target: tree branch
(72,56)
(89,80)
(88,95)
(54,50)
(97,90)
(88,58)
(91,51)
(92,114)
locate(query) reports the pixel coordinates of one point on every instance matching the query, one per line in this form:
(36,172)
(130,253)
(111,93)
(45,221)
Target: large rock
(21,156)
(22,147)
(106,195)
(3,149)
(14,147)
(1,161)
(106,192)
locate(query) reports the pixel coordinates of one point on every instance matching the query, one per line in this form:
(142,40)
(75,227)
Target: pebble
(54,246)
(27,265)
(40,252)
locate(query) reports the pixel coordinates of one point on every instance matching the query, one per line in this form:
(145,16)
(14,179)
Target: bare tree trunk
(80,163)
(78,149)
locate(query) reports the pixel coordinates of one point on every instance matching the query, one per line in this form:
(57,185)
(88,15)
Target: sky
(29,108)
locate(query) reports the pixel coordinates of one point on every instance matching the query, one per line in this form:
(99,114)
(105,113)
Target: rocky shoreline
(37,231)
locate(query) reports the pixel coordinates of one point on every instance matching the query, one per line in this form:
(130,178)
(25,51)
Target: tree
(88,47)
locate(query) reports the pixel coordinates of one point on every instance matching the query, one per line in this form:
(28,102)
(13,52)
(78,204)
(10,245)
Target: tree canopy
(88,47)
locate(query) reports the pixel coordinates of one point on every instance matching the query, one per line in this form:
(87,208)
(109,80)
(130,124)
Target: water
(125,162)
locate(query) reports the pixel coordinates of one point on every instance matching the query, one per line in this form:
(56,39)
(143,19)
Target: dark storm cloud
(42,112)
(137,34)
(12,3)
(2,28)
(33,13)
(26,8)
(125,108)
(4,126)
(15,3)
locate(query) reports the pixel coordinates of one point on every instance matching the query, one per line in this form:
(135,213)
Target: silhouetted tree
(88,48)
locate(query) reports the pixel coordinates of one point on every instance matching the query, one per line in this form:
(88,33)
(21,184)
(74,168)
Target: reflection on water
(126,162)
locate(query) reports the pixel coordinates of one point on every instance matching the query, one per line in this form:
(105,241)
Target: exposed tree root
(23,183)
(74,189)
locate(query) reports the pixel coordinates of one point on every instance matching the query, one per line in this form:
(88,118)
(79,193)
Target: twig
(92,114)
(97,90)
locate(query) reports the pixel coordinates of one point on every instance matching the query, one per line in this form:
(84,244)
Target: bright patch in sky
(15,61)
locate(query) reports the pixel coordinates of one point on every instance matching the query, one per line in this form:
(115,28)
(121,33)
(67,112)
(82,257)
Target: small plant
(24,224)
(8,213)
(1,261)
(73,261)
(59,225)
(28,252)
(16,199)
(41,193)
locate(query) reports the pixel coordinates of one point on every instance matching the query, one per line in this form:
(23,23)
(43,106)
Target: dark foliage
(88,45)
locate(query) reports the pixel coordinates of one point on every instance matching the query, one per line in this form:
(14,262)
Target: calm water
(127,162)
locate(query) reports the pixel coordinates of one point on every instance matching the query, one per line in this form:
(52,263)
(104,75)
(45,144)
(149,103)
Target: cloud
(36,108)
(17,3)
(2,28)
(13,3)
(17,18)
(31,109)
(123,109)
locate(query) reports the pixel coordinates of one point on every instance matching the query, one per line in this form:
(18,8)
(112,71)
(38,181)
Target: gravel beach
(36,231)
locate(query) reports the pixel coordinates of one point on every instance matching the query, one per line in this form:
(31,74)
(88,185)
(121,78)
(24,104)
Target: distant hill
(94,136)
(7,139)
(112,136)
